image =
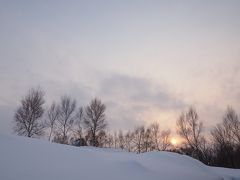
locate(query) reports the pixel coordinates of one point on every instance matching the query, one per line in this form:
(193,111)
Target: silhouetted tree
(226,139)
(190,129)
(27,117)
(78,129)
(231,125)
(52,115)
(94,120)
(138,137)
(115,140)
(160,139)
(165,140)
(120,140)
(128,138)
(109,141)
(155,134)
(65,118)
(101,139)
(147,142)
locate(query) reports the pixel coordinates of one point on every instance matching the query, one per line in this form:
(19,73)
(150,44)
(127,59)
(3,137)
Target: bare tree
(155,134)
(78,129)
(94,119)
(102,138)
(128,138)
(109,141)
(115,139)
(138,139)
(226,139)
(190,129)
(52,115)
(228,132)
(147,140)
(160,139)
(65,118)
(231,125)
(27,117)
(165,140)
(121,143)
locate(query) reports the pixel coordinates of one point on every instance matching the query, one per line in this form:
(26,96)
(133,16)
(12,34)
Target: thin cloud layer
(131,101)
(146,61)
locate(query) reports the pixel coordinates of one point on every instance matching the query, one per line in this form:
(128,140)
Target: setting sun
(174,141)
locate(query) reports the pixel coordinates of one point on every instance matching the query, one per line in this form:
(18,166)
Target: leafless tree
(220,135)
(160,139)
(155,134)
(27,117)
(165,140)
(121,143)
(109,141)
(52,115)
(94,119)
(147,140)
(65,118)
(228,132)
(231,125)
(190,129)
(102,138)
(115,139)
(226,139)
(128,138)
(138,139)
(78,129)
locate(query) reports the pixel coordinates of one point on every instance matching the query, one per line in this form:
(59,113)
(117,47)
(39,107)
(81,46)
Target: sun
(174,141)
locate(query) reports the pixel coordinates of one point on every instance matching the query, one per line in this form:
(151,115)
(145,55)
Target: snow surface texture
(31,159)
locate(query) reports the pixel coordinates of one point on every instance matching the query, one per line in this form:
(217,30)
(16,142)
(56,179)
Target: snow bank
(32,159)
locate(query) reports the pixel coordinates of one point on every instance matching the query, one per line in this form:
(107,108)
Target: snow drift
(31,159)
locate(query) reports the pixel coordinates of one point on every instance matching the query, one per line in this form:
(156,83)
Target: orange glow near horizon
(174,141)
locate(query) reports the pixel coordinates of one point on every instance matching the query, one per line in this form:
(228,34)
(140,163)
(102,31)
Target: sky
(148,61)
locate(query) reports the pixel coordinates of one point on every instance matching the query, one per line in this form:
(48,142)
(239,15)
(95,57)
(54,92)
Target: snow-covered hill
(32,159)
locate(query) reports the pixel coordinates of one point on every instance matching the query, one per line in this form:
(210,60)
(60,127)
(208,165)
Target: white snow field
(32,159)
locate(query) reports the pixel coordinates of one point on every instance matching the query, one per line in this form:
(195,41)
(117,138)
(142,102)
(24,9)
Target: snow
(32,159)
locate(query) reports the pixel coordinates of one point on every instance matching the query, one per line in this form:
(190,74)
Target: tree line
(66,123)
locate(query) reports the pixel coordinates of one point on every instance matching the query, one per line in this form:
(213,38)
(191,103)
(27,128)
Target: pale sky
(147,60)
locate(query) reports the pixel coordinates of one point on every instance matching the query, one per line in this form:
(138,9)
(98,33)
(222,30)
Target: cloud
(140,91)
(132,101)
